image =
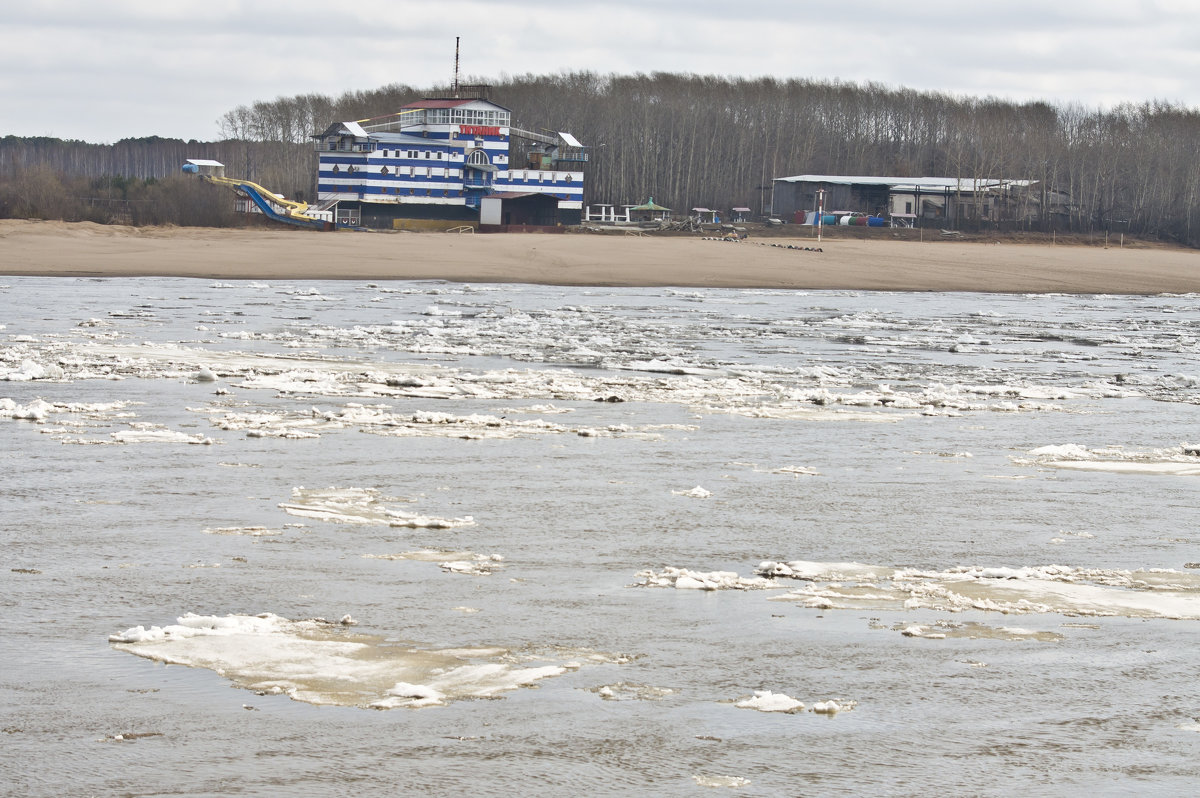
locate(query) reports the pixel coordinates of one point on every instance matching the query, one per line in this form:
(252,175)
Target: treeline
(691,140)
(41,192)
(153,158)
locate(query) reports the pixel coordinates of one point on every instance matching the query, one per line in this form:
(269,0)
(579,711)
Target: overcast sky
(102,71)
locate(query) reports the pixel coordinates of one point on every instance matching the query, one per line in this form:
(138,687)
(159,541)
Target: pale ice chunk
(362,506)
(1157,593)
(1177,461)
(695,493)
(632,691)
(323,662)
(37,410)
(31,370)
(705,780)
(684,579)
(766,701)
(154,434)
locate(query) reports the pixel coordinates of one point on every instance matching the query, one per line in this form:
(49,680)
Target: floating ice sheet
(458,562)
(684,579)
(322,662)
(362,506)
(1031,590)
(1182,460)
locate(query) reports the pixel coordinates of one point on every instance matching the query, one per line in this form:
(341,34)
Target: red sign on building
(478,130)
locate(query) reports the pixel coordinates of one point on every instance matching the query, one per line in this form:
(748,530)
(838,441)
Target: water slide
(270,203)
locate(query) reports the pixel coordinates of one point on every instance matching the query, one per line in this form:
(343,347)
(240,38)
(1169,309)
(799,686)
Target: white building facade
(436,159)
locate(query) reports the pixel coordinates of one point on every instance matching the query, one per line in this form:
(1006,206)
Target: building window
(336,169)
(383,171)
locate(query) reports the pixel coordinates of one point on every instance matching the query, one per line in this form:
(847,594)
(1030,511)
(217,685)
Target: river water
(333,538)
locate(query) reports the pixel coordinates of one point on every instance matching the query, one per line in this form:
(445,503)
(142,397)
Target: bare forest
(691,140)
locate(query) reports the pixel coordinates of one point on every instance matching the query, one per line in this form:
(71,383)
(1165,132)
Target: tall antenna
(456,66)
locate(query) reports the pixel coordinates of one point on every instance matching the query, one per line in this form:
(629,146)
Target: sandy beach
(90,250)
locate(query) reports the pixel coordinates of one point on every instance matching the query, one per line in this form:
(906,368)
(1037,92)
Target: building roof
(649,206)
(450,102)
(906,183)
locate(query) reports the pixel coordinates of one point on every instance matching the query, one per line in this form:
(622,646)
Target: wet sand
(90,250)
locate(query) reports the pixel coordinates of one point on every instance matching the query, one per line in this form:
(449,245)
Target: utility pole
(820,211)
(456,67)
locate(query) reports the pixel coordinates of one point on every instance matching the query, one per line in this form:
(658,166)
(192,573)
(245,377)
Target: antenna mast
(456,66)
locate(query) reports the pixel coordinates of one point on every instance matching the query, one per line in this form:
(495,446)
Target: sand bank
(90,250)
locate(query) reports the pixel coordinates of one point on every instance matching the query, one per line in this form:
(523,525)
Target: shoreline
(84,249)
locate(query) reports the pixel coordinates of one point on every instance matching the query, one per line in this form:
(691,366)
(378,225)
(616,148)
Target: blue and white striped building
(436,159)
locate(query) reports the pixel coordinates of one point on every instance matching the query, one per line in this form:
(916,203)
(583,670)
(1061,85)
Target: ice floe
(1151,593)
(943,630)
(694,493)
(380,420)
(706,780)
(1182,460)
(458,562)
(684,579)
(631,691)
(29,370)
(321,662)
(363,506)
(766,701)
(39,410)
(248,531)
(155,433)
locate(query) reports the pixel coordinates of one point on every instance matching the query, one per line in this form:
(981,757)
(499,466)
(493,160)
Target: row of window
(406,172)
(474,157)
(464,116)
(413,192)
(445,171)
